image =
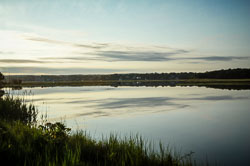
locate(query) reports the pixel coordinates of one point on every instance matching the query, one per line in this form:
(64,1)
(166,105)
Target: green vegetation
(1,84)
(24,142)
(15,109)
(1,77)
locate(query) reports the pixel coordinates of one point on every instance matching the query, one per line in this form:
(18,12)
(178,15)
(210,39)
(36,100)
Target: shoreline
(237,84)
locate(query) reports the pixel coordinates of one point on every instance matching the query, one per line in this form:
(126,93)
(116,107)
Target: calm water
(211,122)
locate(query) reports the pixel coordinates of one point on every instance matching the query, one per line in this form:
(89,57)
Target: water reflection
(209,122)
(116,103)
(74,102)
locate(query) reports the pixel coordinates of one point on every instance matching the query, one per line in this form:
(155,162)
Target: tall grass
(22,144)
(16,109)
(53,144)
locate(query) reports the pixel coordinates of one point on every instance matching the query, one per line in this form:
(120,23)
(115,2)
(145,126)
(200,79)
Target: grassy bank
(25,142)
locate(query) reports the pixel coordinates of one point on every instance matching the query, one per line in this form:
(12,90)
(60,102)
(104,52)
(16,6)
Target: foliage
(1,77)
(15,109)
(1,93)
(57,132)
(25,145)
(1,84)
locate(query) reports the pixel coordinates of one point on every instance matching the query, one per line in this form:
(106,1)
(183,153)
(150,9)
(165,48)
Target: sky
(123,36)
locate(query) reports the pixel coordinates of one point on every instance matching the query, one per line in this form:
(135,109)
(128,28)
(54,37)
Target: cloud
(96,46)
(116,56)
(150,56)
(138,55)
(6,52)
(93,113)
(218,98)
(51,41)
(48,70)
(219,58)
(114,52)
(111,52)
(40,39)
(20,61)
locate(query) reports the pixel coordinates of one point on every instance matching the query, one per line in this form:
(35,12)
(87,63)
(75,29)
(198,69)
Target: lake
(213,123)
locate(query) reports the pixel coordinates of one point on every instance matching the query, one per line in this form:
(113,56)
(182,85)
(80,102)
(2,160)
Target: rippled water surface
(213,123)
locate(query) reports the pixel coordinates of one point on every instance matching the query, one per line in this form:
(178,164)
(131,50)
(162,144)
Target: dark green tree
(1,84)
(1,77)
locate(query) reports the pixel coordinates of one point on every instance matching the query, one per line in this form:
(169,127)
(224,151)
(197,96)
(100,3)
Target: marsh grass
(24,142)
(25,145)
(16,109)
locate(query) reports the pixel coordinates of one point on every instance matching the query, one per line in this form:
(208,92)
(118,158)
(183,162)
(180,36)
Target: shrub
(15,109)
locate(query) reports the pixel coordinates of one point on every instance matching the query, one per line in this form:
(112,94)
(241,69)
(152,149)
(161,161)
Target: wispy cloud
(219,58)
(40,39)
(21,61)
(116,56)
(113,53)
(58,70)
(139,55)
(93,46)
(51,41)
(6,52)
(148,56)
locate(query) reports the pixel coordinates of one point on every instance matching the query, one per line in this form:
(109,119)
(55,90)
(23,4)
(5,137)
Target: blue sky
(114,36)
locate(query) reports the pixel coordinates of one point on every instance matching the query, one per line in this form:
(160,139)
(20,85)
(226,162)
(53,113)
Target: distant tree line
(218,74)
(226,74)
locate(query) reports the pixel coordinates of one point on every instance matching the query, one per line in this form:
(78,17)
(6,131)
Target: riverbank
(26,142)
(236,84)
